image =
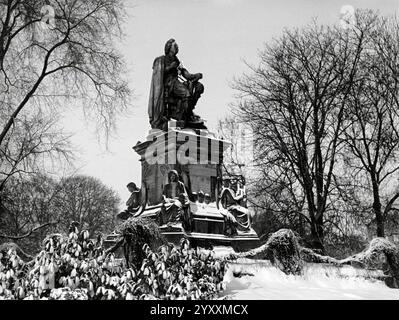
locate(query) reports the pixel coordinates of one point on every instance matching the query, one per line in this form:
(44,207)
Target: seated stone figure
(133,203)
(233,207)
(170,97)
(175,200)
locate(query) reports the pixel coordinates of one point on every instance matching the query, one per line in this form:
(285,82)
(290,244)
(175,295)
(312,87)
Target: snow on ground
(319,282)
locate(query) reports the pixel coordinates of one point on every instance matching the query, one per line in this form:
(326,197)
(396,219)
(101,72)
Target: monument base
(243,241)
(211,216)
(208,226)
(173,232)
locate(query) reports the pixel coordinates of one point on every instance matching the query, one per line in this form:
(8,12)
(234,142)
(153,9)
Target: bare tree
(35,143)
(55,55)
(295,102)
(278,192)
(28,210)
(86,200)
(372,133)
(271,187)
(45,59)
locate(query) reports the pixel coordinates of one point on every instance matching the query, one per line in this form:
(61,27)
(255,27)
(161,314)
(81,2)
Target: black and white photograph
(213,151)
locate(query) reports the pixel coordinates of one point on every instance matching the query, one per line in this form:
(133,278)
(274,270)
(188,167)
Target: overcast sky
(214,37)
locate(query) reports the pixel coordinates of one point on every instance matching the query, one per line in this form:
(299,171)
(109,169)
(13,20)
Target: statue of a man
(166,84)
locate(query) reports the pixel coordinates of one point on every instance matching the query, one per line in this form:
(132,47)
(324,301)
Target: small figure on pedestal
(133,203)
(207,198)
(194,196)
(201,197)
(175,200)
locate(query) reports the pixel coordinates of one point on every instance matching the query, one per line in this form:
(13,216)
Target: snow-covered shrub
(136,233)
(380,254)
(75,267)
(282,249)
(12,275)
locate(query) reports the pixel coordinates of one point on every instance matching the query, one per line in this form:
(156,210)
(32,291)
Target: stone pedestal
(196,155)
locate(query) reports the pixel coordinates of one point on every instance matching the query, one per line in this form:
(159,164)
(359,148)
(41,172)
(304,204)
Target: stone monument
(182,178)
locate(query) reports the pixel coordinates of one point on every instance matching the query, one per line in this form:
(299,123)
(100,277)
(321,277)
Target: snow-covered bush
(282,249)
(135,234)
(380,254)
(75,267)
(13,280)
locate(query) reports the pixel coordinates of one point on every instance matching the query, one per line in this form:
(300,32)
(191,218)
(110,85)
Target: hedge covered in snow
(285,253)
(282,249)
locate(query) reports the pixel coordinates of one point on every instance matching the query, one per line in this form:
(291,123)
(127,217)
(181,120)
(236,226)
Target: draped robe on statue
(156,105)
(236,215)
(175,200)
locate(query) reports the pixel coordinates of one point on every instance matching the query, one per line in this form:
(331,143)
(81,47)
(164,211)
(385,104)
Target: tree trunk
(316,229)
(379,219)
(317,234)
